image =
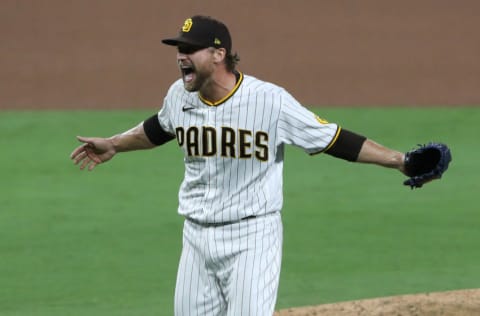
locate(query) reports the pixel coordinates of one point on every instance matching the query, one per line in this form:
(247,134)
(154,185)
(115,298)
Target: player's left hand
(426,163)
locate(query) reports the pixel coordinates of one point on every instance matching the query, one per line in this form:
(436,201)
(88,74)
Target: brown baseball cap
(202,31)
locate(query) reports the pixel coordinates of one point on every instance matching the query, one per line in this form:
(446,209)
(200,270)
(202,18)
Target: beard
(195,79)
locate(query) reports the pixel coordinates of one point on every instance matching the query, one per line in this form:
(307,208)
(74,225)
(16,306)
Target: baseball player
(232,129)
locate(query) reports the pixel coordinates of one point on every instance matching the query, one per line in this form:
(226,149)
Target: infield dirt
(452,303)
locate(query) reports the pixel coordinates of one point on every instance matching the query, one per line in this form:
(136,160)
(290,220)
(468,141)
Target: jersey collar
(239,77)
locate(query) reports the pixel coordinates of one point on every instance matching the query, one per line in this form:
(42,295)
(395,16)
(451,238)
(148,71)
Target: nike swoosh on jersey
(187,108)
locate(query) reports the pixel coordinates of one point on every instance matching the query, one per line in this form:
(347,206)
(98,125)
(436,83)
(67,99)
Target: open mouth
(188,73)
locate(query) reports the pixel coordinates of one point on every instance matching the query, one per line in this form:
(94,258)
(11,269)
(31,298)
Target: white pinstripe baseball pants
(230,270)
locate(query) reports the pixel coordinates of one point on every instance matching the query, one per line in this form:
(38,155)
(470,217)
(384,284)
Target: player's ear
(219,55)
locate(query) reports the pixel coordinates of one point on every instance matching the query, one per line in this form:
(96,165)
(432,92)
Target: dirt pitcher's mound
(452,303)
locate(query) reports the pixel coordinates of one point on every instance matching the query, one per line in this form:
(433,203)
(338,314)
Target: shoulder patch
(321,120)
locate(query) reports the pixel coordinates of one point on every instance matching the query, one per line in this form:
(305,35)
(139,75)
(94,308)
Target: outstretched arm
(356,148)
(95,150)
(421,165)
(374,153)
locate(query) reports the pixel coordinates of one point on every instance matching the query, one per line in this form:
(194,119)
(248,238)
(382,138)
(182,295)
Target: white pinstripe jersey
(234,149)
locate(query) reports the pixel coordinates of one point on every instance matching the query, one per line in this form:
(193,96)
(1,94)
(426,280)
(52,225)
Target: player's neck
(219,86)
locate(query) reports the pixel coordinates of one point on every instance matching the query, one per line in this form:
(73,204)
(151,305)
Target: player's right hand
(94,151)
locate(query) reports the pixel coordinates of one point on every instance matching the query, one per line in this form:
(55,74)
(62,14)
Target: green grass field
(107,242)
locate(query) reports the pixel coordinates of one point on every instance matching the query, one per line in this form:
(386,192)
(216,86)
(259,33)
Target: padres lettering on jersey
(234,150)
(206,141)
